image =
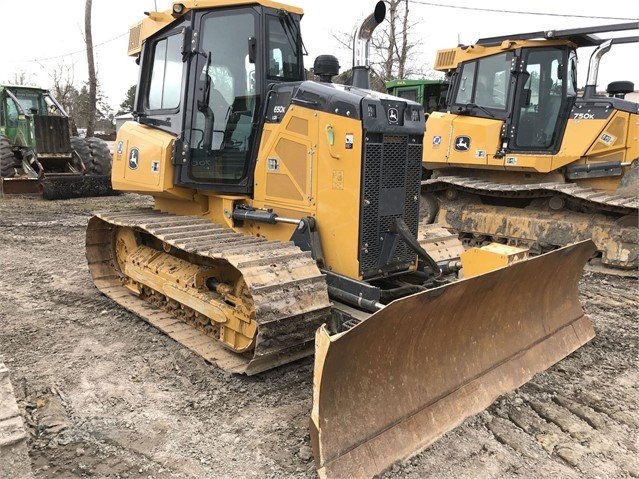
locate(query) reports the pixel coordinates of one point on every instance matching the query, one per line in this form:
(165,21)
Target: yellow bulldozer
(286,223)
(521,156)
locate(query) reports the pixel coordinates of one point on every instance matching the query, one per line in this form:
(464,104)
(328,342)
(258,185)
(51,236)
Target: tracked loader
(38,154)
(286,222)
(521,156)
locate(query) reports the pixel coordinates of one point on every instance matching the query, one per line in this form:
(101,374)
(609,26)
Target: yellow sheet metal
(393,384)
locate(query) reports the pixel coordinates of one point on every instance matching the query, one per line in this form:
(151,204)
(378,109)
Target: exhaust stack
(593,68)
(361,41)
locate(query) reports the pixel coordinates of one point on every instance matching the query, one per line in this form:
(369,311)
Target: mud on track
(105,395)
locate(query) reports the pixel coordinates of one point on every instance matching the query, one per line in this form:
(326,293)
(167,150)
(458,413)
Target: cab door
(17,126)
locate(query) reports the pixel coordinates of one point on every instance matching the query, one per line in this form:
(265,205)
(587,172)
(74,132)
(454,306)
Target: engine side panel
(142,162)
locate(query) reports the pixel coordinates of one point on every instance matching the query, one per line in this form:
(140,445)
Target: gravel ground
(105,395)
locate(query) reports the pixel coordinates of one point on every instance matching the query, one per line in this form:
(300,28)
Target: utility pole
(93,82)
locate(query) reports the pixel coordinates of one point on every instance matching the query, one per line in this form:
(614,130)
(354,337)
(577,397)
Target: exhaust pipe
(590,89)
(361,41)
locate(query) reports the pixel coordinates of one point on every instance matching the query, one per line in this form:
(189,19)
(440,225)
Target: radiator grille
(445,60)
(52,134)
(391,184)
(134,39)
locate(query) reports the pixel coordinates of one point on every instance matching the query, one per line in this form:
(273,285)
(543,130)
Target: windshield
(32,102)
(485,82)
(283,52)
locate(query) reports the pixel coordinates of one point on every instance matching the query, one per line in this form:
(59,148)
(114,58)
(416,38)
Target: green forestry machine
(38,154)
(430,93)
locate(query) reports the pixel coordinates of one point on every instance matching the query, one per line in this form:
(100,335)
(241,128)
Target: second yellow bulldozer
(286,222)
(522,156)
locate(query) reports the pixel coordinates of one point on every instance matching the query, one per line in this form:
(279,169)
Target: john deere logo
(134,158)
(393,115)
(462,143)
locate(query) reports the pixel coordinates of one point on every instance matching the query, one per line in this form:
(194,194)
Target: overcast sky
(41,36)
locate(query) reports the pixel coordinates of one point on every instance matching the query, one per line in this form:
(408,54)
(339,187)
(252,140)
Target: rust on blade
(390,386)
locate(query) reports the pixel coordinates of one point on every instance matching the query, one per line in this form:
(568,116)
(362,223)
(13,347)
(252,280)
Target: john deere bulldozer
(521,156)
(286,222)
(38,155)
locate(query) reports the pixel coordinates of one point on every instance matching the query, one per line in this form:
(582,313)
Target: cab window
(226,99)
(12,113)
(492,81)
(283,54)
(485,82)
(166,75)
(466,84)
(541,99)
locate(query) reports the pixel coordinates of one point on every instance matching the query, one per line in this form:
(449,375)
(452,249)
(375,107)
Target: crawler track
(597,201)
(288,291)
(609,220)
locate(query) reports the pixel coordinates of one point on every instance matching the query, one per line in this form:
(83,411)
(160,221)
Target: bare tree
(19,78)
(63,89)
(405,48)
(385,42)
(393,46)
(93,81)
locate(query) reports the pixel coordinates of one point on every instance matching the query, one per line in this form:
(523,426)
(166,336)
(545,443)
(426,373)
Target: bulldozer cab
(531,99)
(524,87)
(207,74)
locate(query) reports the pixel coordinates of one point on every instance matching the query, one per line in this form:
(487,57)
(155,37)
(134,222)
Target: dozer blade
(394,383)
(65,186)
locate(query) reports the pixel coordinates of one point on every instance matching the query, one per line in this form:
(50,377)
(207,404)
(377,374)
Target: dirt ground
(105,395)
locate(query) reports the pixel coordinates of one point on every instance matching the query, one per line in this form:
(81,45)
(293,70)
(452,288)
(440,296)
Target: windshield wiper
(292,32)
(466,109)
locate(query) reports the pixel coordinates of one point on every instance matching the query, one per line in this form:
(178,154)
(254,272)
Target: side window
(12,113)
(408,93)
(466,83)
(166,76)
(492,81)
(283,62)
(572,76)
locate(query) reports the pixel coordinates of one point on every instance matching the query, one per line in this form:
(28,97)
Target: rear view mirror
(252,49)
